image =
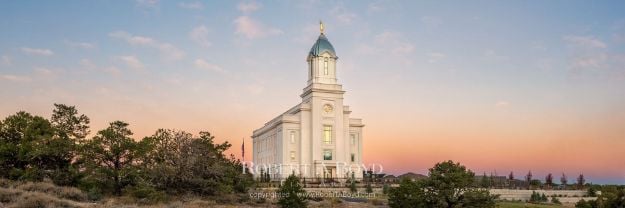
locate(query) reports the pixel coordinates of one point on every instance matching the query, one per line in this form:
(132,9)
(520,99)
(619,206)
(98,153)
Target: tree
(549,180)
(580,181)
(563,180)
(484,181)
(611,196)
(72,129)
(385,188)
(528,179)
(555,200)
(592,192)
(21,136)
(291,193)
(511,179)
(69,123)
(448,185)
(31,149)
(408,194)
(535,183)
(368,188)
(110,157)
(179,163)
(352,184)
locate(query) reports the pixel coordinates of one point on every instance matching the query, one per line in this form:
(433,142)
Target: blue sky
(545,76)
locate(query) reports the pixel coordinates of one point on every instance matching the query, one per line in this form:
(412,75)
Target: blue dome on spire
(322,45)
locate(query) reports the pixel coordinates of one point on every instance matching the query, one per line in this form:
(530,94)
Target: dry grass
(20,198)
(15,194)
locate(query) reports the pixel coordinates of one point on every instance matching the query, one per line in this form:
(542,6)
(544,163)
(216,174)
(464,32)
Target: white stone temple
(316,138)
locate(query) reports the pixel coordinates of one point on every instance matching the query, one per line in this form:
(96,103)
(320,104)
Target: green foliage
(368,188)
(448,185)
(612,196)
(291,193)
(592,192)
(485,181)
(69,124)
(538,198)
(32,149)
(478,198)
(146,193)
(110,158)
(555,200)
(385,188)
(408,194)
(352,184)
(535,183)
(179,163)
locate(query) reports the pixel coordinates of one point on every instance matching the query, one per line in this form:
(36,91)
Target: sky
(498,86)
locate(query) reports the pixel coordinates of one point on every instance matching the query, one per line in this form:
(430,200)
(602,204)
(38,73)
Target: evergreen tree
(563,181)
(385,188)
(291,193)
(528,179)
(110,158)
(549,180)
(511,180)
(352,185)
(409,194)
(484,181)
(580,181)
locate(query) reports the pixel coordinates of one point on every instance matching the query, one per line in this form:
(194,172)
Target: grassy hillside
(29,194)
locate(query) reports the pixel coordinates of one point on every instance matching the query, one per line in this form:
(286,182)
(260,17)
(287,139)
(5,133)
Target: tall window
(325,66)
(353,157)
(293,156)
(353,138)
(311,69)
(327,134)
(292,137)
(327,154)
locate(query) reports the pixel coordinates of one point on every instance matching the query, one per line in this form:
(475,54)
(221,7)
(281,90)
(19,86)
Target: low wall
(565,196)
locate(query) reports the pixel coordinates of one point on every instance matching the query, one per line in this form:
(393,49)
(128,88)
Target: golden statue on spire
(321,26)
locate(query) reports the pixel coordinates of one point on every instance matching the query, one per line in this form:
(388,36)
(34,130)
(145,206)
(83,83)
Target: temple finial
(321,26)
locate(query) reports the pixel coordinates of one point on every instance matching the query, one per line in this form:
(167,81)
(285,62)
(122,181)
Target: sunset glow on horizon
(497,86)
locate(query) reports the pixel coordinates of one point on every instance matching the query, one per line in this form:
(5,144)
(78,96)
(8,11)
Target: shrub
(94,194)
(146,194)
(292,193)
(368,188)
(385,188)
(555,200)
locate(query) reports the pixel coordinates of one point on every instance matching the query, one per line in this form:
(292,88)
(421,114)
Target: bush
(555,200)
(94,194)
(292,193)
(146,194)
(385,188)
(368,188)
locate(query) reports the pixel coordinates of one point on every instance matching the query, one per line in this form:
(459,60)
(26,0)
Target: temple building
(316,138)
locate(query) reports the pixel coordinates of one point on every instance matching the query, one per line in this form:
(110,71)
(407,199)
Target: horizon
(497,87)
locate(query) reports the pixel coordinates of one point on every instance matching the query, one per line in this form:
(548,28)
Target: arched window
(325,66)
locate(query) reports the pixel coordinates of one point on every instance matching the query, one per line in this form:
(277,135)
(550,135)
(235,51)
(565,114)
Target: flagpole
(243,149)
